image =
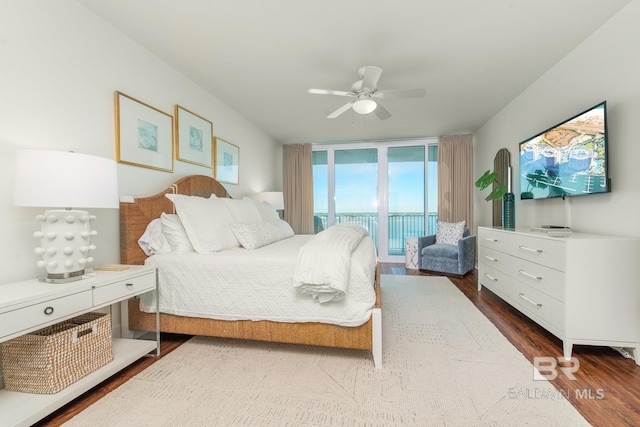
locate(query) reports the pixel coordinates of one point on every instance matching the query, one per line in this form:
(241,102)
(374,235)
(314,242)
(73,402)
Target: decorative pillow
(267,211)
(153,241)
(242,210)
(253,235)
(206,222)
(449,232)
(175,233)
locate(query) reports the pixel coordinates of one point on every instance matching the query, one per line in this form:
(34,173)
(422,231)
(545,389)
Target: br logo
(549,368)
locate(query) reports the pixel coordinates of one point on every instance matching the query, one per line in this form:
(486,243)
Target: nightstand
(32,305)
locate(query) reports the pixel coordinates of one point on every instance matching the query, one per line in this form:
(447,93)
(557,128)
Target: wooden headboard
(135,216)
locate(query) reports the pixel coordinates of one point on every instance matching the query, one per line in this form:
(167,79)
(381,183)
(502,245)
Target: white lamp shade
(364,106)
(63,179)
(274,198)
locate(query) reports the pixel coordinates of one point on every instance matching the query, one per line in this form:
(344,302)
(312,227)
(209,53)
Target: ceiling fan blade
(400,93)
(370,77)
(340,110)
(331,92)
(382,112)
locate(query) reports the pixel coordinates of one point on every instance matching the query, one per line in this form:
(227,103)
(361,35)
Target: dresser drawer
(543,251)
(544,279)
(35,315)
(537,305)
(123,289)
(494,239)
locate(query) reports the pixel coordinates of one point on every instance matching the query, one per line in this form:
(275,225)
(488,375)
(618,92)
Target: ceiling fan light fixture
(364,106)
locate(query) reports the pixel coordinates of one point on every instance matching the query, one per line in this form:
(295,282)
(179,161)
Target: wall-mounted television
(569,159)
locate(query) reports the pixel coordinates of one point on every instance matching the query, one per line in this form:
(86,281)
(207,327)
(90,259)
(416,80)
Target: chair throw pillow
(449,232)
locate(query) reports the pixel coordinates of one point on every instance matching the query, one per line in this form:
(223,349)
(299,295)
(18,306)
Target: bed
(135,216)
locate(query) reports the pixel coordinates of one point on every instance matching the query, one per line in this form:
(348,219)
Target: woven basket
(48,360)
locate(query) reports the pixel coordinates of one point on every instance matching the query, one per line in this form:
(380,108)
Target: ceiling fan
(366,95)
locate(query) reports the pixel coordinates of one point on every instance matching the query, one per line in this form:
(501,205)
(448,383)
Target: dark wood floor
(606,389)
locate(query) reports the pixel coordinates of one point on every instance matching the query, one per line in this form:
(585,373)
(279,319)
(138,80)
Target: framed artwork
(144,134)
(227,161)
(194,143)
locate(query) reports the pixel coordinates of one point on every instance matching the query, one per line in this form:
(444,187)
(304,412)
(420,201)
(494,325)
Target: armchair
(455,260)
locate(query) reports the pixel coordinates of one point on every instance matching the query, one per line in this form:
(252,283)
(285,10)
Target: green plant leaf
(497,193)
(486,179)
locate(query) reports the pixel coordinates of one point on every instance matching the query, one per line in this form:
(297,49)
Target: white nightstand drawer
(123,289)
(43,313)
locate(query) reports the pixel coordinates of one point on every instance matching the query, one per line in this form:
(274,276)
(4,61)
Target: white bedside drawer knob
(69,235)
(52,264)
(84,218)
(92,247)
(51,219)
(52,251)
(38,234)
(52,235)
(41,263)
(40,218)
(68,250)
(70,219)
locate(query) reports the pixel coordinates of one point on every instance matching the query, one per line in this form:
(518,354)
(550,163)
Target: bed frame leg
(376,344)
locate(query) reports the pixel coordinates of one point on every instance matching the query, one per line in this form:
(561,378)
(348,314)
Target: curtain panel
(455,179)
(298,187)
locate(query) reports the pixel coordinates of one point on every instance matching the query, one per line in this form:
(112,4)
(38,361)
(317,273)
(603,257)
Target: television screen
(569,159)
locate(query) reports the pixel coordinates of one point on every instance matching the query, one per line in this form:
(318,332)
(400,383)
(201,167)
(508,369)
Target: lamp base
(71,278)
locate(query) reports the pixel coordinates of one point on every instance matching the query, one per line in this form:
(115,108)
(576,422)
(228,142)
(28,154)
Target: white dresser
(583,288)
(32,305)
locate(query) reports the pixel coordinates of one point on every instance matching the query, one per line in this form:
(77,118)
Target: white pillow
(153,241)
(449,233)
(253,235)
(242,210)
(206,222)
(175,233)
(267,211)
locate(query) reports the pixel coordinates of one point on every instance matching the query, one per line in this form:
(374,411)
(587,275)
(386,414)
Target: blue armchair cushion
(441,250)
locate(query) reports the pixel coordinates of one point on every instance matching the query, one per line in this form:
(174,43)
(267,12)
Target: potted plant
(500,192)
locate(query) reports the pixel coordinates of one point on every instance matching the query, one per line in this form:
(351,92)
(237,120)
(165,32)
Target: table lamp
(274,198)
(58,179)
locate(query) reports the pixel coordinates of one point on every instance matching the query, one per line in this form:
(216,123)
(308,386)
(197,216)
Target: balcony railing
(401,226)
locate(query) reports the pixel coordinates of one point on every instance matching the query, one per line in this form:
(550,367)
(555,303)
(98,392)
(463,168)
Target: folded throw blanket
(324,262)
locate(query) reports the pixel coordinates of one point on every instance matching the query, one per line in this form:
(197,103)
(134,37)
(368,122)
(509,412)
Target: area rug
(444,364)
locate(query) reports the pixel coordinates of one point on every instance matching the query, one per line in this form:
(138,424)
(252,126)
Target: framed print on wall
(144,134)
(227,156)
(193,138)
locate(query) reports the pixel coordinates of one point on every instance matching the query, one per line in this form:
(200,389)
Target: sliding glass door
(389,188)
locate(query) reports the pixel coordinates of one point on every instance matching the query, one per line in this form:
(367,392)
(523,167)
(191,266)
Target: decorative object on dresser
(501,193)
(144,134)
(244,269)
(451,251)
(194,138)
(582,287)
(30,306)
(65,179)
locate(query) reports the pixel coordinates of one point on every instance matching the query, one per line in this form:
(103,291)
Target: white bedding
(242,284)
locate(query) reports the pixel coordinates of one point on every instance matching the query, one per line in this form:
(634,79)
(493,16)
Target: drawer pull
(490,277)
(530,301)
(490,258)
(129,285)
(524,248)
(533,276)
(48,311)
(490,239)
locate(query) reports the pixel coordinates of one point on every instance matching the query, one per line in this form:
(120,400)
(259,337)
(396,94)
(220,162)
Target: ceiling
(260,57)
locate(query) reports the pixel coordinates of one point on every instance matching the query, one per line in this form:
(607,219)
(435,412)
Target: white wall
(606,66)
(59,68)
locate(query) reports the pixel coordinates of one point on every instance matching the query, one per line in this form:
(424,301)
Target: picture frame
(144,134)
(194,138)
(227,161)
